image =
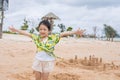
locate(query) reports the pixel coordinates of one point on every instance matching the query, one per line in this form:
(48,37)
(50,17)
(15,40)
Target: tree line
(109,31)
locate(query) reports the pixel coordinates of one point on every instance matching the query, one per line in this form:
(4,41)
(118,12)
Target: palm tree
(69,29)
(32,30)
(109,32)
(62,27)
(25,25)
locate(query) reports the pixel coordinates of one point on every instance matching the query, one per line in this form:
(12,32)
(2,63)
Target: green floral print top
(49,45)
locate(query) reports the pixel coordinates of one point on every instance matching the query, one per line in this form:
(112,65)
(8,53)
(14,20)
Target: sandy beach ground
(83,59)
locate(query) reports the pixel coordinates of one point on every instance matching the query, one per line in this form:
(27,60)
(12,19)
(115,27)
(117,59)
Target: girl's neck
(44,37)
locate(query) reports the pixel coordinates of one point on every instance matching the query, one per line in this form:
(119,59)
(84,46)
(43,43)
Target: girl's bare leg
(38,75)
(45,76)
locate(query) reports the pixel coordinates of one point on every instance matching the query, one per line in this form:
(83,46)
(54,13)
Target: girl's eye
(43,29)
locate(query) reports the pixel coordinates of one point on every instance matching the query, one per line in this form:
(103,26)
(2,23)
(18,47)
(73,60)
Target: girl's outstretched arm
(20,31)
(77,32)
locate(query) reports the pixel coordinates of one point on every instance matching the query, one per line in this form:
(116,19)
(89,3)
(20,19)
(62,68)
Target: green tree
(69,29)
(62,27)
(32,30)
(109,32)
(25,25)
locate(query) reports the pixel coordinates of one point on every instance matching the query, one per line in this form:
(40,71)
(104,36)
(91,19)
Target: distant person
(45,43)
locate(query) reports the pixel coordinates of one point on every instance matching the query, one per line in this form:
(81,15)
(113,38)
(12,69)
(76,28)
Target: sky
(84,14)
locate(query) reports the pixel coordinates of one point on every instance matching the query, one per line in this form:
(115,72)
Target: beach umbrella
(50,17)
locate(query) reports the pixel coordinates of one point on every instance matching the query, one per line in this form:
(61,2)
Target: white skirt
(43,66)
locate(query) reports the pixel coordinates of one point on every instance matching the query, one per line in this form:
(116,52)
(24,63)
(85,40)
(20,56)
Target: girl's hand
(80,32)
(20,31)
(12,29)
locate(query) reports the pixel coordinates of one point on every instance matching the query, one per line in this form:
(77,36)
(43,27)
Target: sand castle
(91,62)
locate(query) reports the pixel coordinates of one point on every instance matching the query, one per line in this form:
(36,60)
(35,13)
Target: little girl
(45,43)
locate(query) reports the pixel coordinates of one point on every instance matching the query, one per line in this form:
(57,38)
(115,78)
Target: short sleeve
(56,38)
(34,37)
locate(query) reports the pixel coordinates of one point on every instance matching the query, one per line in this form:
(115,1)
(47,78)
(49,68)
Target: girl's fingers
(12,28)
(80,31)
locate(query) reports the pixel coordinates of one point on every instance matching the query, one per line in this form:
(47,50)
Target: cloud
(75,13)
(88,3)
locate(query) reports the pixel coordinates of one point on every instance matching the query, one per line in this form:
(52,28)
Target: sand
(17,53)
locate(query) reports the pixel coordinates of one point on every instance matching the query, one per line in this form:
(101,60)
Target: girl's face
(43,30)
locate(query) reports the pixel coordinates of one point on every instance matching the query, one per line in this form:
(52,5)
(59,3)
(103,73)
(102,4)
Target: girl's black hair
(46,23)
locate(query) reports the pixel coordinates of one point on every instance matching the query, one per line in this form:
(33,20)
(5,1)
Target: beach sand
(17,53)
